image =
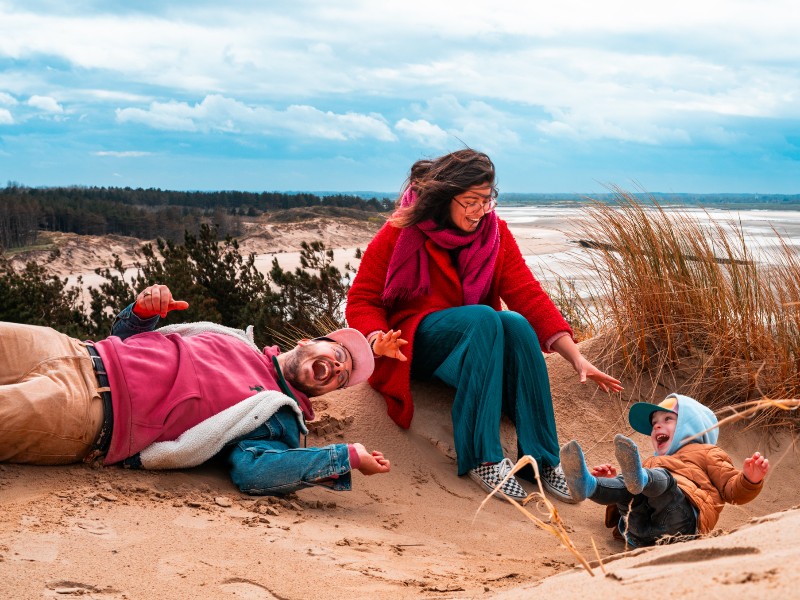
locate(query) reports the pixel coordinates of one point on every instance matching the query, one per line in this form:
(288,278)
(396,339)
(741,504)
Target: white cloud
(775,21)
(476,123)
(45,103)
(218,113)
(615,95)
(310,47)
(305,120)
(596,62)
(122,154)
(423,132)
(160,116)
(110,96)
(6,118)
(7,99)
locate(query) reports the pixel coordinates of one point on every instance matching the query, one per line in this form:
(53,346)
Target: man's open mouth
(322,370)
(661,438)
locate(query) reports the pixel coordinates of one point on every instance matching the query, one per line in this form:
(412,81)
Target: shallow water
(559,256)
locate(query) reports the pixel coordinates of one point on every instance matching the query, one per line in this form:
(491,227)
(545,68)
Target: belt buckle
(99,367)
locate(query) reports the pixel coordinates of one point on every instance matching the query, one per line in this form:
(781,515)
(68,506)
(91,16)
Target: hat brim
(358,347)
(640,413)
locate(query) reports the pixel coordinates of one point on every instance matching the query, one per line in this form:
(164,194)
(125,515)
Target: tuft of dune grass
(551,523)
(694,302)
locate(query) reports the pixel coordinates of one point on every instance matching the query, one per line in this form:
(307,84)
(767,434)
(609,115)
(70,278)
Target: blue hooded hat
(693,418)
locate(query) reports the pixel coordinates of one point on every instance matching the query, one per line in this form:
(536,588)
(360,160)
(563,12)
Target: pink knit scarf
(408,275)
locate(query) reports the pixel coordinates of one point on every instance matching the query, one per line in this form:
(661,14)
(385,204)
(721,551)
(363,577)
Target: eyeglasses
(486,206)
(340,355)
(343,377)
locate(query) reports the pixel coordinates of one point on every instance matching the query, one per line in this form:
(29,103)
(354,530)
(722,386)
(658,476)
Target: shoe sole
(558,493)
(477,479)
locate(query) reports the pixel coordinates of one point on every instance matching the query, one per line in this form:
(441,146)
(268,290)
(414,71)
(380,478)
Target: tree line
(146,213)
(220,284)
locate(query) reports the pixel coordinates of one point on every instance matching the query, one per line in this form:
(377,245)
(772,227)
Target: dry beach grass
(697,302)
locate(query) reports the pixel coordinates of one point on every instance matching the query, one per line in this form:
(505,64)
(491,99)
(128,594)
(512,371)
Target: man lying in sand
(678,492)
(177,396)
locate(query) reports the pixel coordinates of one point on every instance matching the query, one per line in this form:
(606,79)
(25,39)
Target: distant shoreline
(735,199)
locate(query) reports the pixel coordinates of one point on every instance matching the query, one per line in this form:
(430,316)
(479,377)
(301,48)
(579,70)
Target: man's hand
(156,300)
(755,467)
(389,344)
(371,462)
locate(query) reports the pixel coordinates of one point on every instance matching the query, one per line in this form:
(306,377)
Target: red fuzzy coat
(512,281)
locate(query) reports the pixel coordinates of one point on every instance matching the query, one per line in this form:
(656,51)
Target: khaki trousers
(50,410)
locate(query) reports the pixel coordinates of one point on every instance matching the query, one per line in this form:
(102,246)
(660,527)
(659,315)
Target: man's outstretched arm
(270,467)
(151,303)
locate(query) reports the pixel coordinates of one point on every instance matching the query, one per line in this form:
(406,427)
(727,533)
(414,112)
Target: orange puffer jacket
(705,473)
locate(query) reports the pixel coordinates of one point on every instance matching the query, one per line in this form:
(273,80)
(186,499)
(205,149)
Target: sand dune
(112,533)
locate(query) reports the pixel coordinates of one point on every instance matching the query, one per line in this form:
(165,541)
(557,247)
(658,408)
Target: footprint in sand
(93,527)
(35,547)
(247,590)
(65,589)
(175,564)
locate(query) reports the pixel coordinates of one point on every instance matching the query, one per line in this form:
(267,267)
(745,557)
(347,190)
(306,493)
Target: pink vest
(162,385)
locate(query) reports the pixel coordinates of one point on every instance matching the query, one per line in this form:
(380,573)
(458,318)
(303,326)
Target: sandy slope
(758,560)
(113,533)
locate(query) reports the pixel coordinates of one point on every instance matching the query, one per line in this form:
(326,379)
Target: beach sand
(111,533)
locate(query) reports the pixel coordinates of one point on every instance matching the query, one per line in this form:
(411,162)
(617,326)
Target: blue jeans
(662,509)
(494,361)
(269,460)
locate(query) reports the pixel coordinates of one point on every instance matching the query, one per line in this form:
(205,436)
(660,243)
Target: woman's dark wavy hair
(437,181)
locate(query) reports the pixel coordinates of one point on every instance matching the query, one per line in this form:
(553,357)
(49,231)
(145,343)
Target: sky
(312,95)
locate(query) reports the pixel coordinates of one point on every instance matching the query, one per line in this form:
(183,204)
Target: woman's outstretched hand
(587,370)
(567,348)
(389,344)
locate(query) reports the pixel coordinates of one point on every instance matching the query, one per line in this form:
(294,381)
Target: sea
(548,233)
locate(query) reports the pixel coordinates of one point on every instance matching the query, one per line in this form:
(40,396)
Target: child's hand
(755,467)
(371,462)
(388,344)
(605,470)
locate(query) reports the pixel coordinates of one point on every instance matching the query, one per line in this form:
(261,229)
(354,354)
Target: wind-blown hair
(436,182)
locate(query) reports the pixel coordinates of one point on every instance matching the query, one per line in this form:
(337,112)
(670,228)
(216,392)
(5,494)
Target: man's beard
(292,367)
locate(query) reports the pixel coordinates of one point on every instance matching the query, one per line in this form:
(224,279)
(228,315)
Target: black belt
(103,441)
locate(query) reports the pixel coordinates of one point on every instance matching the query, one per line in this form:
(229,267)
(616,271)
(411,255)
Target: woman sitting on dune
(437,272)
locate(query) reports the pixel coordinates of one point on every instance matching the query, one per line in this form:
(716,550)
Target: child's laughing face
(663,430)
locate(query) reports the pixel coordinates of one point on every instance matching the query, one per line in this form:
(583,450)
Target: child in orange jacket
(681,490)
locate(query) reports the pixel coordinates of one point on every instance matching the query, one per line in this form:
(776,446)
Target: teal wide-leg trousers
(494,362)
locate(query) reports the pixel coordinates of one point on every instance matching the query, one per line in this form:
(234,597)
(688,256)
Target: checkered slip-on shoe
(488,476)
(554,481)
